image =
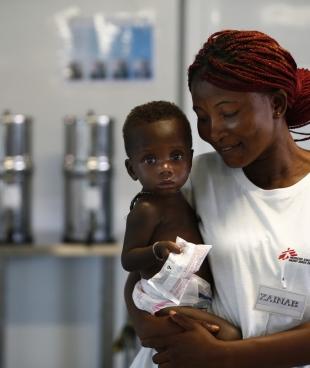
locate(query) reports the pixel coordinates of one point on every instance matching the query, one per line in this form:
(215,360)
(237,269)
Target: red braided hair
(251,61)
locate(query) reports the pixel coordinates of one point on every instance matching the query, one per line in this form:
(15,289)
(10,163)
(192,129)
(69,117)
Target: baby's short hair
(151,112)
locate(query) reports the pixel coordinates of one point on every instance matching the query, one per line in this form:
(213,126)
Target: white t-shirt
(250,228)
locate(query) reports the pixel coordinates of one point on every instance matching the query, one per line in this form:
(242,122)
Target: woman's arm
(286,349)
(195,346)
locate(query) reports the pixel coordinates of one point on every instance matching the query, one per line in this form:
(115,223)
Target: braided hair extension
(251,61)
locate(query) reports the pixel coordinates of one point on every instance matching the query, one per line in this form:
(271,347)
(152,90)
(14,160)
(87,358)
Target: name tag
(281,301)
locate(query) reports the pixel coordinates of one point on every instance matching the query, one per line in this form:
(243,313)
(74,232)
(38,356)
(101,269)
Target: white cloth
(198,294)
(144,359)
(174,285)
(250,228)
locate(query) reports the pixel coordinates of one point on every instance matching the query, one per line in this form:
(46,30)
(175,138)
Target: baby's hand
(162,249)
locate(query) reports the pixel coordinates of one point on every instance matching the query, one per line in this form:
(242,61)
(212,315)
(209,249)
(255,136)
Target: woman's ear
(130,169)
(279,103)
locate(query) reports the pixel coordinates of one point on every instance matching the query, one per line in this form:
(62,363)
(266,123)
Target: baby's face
(161,156)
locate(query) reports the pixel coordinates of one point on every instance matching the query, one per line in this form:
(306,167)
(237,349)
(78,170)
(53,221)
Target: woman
(253,198)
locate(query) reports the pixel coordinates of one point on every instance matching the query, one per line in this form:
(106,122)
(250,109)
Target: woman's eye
(149,160)
(203,120)
(229,114)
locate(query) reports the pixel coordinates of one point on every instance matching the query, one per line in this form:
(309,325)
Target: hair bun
(299,113)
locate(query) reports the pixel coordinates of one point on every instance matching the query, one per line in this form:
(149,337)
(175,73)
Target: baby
(158,143)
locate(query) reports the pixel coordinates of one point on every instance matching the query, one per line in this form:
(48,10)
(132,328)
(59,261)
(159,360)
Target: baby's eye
(150,160)
(177,156)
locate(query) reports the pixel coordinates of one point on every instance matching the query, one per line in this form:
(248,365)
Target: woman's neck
(282,166)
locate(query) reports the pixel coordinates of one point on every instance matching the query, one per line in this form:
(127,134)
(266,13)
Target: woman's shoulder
(210,162)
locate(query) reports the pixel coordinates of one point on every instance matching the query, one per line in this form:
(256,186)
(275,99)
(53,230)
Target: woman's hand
(219,327)
(194,347)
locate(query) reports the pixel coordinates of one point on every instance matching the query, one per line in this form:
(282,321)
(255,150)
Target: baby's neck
(161,194)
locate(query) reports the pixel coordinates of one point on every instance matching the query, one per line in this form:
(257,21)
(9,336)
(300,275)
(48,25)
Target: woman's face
(239,125)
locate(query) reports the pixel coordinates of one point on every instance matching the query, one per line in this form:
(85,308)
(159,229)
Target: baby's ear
(130,169)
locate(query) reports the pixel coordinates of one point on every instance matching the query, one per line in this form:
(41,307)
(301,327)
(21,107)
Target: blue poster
(118,48)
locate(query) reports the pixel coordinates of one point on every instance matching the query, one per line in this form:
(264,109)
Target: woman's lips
(229,148)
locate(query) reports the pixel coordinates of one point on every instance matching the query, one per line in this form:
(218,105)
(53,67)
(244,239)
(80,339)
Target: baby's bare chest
(177,219)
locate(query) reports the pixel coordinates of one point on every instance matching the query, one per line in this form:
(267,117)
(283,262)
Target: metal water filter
(16,169)
(88,174)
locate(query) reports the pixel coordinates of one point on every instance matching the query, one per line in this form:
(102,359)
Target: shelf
(61,250)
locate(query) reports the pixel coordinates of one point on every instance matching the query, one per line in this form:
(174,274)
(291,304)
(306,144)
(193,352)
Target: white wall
(52,305)
(31,83)
(286,20)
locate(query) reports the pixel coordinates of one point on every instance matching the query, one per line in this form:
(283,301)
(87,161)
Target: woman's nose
(217,130)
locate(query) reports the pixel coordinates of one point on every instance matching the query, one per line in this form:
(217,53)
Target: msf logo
(287,254)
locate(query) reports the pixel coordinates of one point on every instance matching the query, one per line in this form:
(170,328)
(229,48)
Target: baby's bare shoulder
(145,210)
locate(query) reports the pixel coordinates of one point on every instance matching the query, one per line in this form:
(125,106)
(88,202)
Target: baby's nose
(166,165)
(166,168)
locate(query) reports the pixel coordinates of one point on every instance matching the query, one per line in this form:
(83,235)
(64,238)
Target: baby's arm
(139,252)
